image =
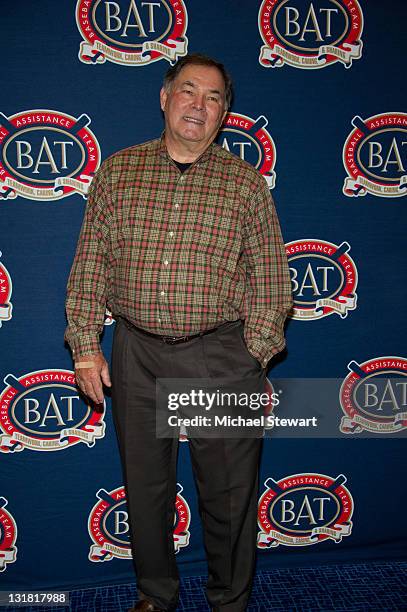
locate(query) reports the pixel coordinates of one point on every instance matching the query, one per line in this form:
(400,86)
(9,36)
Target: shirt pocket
(216,235)
(133,216)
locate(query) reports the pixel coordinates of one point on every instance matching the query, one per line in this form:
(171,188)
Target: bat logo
(375,156)
(304,509)
(8,536)
(324,279)
(373,396)
(131,33)
(310,34)
(46,155)
(44,411)
(108,525)
(109,319)
(249,139)
(6,286)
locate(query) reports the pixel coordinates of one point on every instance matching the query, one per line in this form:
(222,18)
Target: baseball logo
(324,278)
(373,396)
(108,525)
(43,411)
(8,536)
(46,155)
(249,139)
(304,509)
(374,156)
(5,294)
(131,33)
(109,319)
(310,35)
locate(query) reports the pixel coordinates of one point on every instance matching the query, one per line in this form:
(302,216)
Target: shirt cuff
(82,346)
(263,348)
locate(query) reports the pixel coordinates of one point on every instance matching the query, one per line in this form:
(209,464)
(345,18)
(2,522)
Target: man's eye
(213,98)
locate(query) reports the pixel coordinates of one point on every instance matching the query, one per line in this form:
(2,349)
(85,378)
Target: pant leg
(149,465)
(226,472)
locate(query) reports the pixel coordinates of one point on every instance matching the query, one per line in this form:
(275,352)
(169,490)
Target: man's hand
(92,372)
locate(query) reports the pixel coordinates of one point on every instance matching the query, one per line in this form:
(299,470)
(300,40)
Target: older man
(181,241)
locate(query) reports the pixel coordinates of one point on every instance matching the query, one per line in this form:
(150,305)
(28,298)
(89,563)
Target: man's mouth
(194,120)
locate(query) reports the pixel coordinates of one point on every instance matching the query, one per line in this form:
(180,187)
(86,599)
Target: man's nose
(199,102)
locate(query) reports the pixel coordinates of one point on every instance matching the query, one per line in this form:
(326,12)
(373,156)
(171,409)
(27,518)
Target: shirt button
(171,234)
(162,292)
(182,178)
(166,262)
(176,205)
(158,319)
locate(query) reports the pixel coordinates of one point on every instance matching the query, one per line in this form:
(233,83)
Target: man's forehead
(200,74)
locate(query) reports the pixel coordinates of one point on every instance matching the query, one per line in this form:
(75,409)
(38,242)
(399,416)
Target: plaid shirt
(178,253)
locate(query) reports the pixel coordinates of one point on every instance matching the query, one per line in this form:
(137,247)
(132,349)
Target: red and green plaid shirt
(178,253)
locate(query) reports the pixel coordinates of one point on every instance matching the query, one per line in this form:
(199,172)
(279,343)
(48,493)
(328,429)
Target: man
(181,241)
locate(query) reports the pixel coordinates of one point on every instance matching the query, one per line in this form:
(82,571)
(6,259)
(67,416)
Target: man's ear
(163,98)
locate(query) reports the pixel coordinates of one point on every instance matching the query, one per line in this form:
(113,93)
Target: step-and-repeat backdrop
(318,109)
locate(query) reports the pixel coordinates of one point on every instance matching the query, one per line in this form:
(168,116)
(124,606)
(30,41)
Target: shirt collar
(203,157)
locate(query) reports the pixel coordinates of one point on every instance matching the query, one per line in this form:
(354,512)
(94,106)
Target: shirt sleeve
(87,284)
(268,289)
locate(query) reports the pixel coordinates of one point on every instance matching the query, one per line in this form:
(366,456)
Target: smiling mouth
(194,120)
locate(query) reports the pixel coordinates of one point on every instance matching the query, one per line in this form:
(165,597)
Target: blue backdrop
(318,108)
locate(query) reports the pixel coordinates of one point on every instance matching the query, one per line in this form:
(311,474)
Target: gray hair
(198,59)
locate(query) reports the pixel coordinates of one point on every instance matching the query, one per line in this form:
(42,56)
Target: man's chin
(195,139)
(194,135)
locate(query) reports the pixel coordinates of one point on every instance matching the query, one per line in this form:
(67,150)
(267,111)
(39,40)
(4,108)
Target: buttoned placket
(168,252)
(163,316)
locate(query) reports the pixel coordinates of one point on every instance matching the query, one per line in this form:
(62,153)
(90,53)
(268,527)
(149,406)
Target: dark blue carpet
(368,587)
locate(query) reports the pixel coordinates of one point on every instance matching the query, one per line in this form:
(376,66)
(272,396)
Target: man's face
(194,105)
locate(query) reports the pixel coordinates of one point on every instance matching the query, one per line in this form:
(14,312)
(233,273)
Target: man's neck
(184,153)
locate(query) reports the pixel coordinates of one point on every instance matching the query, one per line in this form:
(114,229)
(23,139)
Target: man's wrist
(80,365)
(80,358)
(84,345)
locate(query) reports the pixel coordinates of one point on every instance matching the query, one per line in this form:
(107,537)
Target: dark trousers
(225,469)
